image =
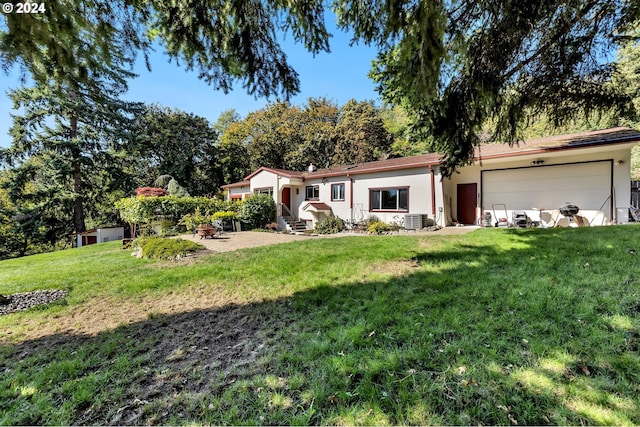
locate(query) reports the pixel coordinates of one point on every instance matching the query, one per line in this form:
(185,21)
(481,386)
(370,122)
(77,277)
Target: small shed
(99,235)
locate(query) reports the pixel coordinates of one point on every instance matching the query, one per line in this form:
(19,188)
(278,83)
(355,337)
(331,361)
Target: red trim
(581,140)
(388,211)
(285,173)
(389,188)
(344,188)
(371,170)
(350,193)
(237,184)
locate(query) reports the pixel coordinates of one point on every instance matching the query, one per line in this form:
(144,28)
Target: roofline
(478,156)
(285,173)
(632,139)
(373,170)
(236,184)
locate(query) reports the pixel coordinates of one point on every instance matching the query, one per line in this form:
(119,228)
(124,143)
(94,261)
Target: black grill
(569,210)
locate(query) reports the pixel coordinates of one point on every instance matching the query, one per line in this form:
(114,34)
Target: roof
(423,160)
(237,184)
(317,207)
(282,172)
(617,135)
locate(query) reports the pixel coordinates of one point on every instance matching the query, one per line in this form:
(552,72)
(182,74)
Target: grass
(496,327)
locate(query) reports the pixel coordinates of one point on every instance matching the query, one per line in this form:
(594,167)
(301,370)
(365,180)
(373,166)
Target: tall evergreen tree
(454,65)
(225,41)
(76,129)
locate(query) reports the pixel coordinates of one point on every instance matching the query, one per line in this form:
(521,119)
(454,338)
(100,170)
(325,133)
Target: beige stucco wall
(417,180)
(238,190)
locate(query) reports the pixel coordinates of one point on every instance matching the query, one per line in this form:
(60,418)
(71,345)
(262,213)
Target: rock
(26,300)
(4,300)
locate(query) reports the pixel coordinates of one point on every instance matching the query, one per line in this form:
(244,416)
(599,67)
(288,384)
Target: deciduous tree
(360,134)
(179,144)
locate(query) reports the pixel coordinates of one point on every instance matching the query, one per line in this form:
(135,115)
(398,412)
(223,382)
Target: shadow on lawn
(451,337)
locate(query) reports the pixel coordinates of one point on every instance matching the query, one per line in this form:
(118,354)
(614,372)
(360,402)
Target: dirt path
(231,241)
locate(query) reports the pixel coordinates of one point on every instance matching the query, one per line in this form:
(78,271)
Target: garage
(587,185)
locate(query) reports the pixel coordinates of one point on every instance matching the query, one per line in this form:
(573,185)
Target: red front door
(286,197)
(467,203)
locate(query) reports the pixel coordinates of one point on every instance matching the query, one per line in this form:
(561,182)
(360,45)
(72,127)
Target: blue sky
(339,76)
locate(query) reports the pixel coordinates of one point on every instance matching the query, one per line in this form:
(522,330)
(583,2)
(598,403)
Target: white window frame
(341,192)
(315,192)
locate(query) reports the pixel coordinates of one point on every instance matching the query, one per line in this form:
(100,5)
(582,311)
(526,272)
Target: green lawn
(495,327)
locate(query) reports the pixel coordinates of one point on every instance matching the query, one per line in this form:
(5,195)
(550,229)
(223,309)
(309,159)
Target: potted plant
(195,220)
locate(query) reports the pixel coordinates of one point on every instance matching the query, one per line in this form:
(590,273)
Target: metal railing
(284,211)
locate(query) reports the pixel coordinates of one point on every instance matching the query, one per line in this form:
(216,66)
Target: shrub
(225,216)
(191,221)
(144,210)
(372,219)
(257,210)
(168,249)
(150,192)
(331,225)
(378,227)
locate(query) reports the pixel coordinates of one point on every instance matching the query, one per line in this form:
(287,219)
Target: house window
(236,197)
(389,199)
(337,191)
(265,190)
(313,192)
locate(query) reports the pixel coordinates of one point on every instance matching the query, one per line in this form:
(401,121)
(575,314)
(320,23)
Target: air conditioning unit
(417,221)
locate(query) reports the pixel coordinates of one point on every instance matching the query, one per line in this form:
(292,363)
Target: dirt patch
(104,314)
(197,352)
(395,268)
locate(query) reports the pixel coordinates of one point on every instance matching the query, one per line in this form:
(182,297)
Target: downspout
(276,197)
(433,191)
(350,196)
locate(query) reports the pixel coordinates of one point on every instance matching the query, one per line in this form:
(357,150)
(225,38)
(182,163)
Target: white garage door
(587,185)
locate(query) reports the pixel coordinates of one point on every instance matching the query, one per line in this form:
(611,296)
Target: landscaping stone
(26,300)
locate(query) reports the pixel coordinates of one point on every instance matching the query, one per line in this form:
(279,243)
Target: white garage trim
(585,184)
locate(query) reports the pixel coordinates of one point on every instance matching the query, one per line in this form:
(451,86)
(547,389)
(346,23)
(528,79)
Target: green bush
(163,248)
(371,219)
(225,215)
(331,225)
(379,227)
(144,210)
(192,220)
(257,211)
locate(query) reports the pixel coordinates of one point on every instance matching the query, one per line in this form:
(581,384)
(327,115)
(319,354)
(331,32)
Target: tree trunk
(76,176)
